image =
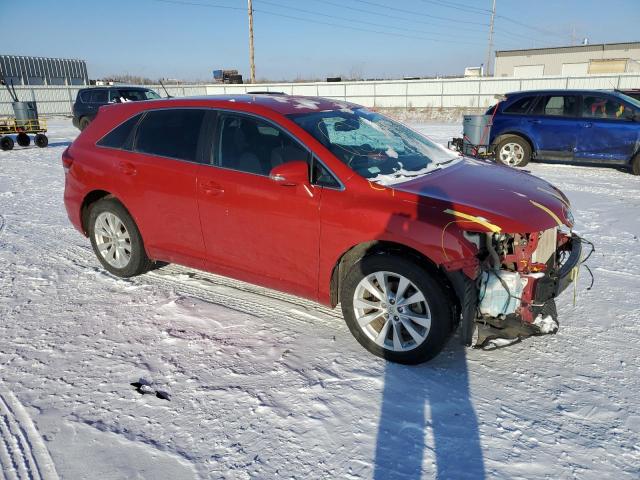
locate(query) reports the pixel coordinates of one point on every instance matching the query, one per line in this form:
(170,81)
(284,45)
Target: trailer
(25,122)
(476,135)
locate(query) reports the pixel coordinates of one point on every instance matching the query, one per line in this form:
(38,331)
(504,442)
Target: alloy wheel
(392,311)
(113,240)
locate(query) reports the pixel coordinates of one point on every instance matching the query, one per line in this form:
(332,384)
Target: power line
(364,22)
(459,6)
(319,22)
(389,15)
(413,12)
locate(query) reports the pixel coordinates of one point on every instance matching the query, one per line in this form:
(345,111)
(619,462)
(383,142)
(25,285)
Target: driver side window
(250,145)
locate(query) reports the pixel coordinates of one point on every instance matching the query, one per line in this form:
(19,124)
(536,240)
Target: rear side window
(121,136)
(170,133)
(85,95)
(520,106)
(98,96)
(558,106)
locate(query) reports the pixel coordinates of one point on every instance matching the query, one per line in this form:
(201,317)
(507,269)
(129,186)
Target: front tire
(116,240)
(396,309)
(513,151)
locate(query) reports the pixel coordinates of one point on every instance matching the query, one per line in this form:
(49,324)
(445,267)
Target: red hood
(511,199)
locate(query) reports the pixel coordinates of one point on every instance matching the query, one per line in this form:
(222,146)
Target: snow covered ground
(264,385)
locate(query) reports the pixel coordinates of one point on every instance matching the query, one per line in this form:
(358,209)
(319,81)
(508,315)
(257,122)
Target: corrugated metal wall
(440,94)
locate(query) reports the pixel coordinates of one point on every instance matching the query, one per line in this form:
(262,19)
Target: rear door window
(558,106)
(98,96)
(121,137)
(521,106)
(172,133)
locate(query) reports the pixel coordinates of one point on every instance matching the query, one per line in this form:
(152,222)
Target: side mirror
(291,173)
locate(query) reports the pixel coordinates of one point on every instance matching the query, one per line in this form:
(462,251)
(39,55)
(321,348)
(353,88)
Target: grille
(547,245)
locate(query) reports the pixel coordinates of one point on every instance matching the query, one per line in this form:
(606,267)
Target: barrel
(25,111)
(476,129)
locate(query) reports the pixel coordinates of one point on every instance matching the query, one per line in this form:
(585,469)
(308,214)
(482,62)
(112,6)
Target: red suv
(329,201)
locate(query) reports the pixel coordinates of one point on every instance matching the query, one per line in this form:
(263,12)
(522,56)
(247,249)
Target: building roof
(568,48)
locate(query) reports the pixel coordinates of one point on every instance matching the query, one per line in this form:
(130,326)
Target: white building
(569,61)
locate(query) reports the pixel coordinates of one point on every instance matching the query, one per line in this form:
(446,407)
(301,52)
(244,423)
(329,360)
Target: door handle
(211,188)
(127,168)
(535,121)
(588,125)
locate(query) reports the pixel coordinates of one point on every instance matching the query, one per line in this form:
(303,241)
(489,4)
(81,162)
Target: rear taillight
(67,160)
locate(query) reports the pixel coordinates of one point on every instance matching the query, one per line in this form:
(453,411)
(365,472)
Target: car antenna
(165,89)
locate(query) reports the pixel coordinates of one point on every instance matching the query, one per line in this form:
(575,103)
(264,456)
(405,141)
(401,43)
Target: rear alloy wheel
(23,139)
(84,123)
(116,240)
(6,143)
(41,140)
(396,309)
(513,151)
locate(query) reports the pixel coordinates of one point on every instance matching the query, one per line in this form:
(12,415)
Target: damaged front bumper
(512,296)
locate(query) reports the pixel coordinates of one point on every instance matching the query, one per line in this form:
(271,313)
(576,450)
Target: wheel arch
(89,199)
(515,133)
(378,247)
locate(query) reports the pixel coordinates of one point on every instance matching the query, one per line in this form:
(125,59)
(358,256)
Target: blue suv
(581,126)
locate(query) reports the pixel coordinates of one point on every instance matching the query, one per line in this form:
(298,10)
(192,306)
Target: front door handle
(535,121)
(211,188)
(127,168)
(588,125)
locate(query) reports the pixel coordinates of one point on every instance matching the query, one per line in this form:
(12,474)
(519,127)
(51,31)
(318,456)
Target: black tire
(84,123)
(513,140)
(635,164)
(23,139)
(437,300)
(6,143)
(138,263)
(41,140)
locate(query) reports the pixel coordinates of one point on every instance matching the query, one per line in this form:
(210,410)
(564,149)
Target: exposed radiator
(547,245)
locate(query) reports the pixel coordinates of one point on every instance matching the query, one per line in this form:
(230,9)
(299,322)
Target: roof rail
(264,92)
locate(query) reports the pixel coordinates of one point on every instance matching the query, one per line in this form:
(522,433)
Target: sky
(304,39)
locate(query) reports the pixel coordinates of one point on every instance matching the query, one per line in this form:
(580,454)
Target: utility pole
(490,46)
(252,64)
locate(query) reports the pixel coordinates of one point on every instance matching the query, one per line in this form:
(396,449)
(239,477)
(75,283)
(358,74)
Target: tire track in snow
(23,453)
(242,297)
(3,222)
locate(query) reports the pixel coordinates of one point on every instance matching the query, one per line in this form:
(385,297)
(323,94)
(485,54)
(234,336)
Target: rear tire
(23,139)
(513,151)
(635,164)
(116,240)
(408,321)
(41,140)
(6,143)
(84,123)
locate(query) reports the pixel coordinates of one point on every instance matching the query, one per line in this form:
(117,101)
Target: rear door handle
(588,125)
(211,188)
(535,121)
(127,168)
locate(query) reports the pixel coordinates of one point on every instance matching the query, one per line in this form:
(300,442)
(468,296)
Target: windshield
(375,146)
(629,99)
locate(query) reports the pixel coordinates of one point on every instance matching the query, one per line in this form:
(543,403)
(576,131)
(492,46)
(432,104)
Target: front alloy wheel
(392,311)
(396,308)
